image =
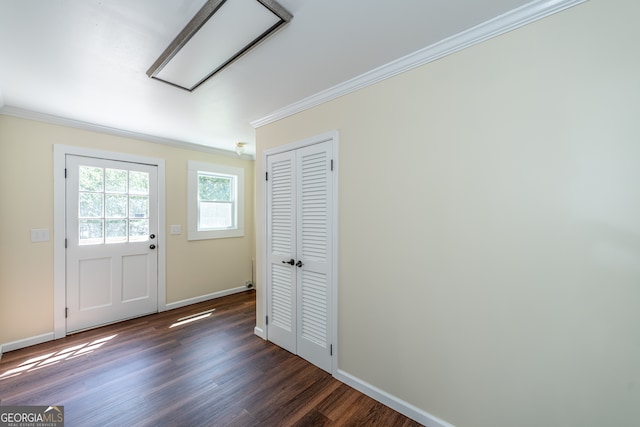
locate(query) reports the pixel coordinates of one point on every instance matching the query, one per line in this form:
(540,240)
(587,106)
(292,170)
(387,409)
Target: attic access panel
(217,35)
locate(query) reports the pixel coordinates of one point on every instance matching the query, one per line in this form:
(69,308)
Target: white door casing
(301,219)
(112,260)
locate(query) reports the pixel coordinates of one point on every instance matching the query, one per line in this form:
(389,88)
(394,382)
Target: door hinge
(65,172)
(66,312)
(267,320)
(330,349)
(65,243)
(331,164)
(266,176)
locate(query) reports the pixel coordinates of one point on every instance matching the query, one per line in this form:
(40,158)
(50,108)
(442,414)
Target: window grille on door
(113,206)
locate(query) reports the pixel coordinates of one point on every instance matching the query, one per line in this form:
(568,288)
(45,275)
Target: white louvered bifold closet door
(299,222)
(281,231)
(314,251)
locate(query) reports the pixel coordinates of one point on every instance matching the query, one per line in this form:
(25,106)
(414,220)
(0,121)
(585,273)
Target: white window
(216,201)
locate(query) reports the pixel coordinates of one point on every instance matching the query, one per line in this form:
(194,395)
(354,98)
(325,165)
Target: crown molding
(77,124)
(504,23)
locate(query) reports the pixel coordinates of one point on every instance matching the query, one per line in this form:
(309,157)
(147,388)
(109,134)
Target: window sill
(214,234)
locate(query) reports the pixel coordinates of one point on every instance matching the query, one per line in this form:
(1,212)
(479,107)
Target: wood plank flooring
(209,372)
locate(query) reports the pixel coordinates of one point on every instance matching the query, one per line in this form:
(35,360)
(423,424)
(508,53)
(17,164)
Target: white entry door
(299,242)
(111,229)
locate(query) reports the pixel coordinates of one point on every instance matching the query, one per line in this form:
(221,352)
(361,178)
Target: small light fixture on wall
(240,148)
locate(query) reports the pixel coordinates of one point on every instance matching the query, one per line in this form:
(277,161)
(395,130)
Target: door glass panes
(91,231)
(138,182)
(215,202)
(90,205)
(116,206)
(115,181)
(91,178)
(138,206)
(113,206)
(138,230)
(116,230)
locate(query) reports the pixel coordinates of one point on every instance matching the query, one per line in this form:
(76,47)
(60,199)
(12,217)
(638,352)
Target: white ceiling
(86,60)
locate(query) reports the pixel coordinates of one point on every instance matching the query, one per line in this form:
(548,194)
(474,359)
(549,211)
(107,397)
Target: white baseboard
(26,342)
(207,297)
(391,401)
(259,332)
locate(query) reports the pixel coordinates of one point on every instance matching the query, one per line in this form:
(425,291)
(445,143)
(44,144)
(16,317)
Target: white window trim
(192,200)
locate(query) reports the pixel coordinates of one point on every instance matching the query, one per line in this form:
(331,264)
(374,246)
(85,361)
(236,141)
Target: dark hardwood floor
(209,372)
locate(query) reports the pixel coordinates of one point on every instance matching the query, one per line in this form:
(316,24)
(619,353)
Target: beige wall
(490,225)
(193,268)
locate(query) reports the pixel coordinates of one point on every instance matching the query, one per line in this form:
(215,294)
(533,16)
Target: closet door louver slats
(299,222)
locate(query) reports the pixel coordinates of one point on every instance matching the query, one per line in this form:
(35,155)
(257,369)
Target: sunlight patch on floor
(50,359)
(193,318)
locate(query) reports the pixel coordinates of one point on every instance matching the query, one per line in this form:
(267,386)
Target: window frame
(193,207)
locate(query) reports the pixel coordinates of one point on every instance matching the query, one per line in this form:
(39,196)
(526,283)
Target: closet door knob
(299,263)
(290,262)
